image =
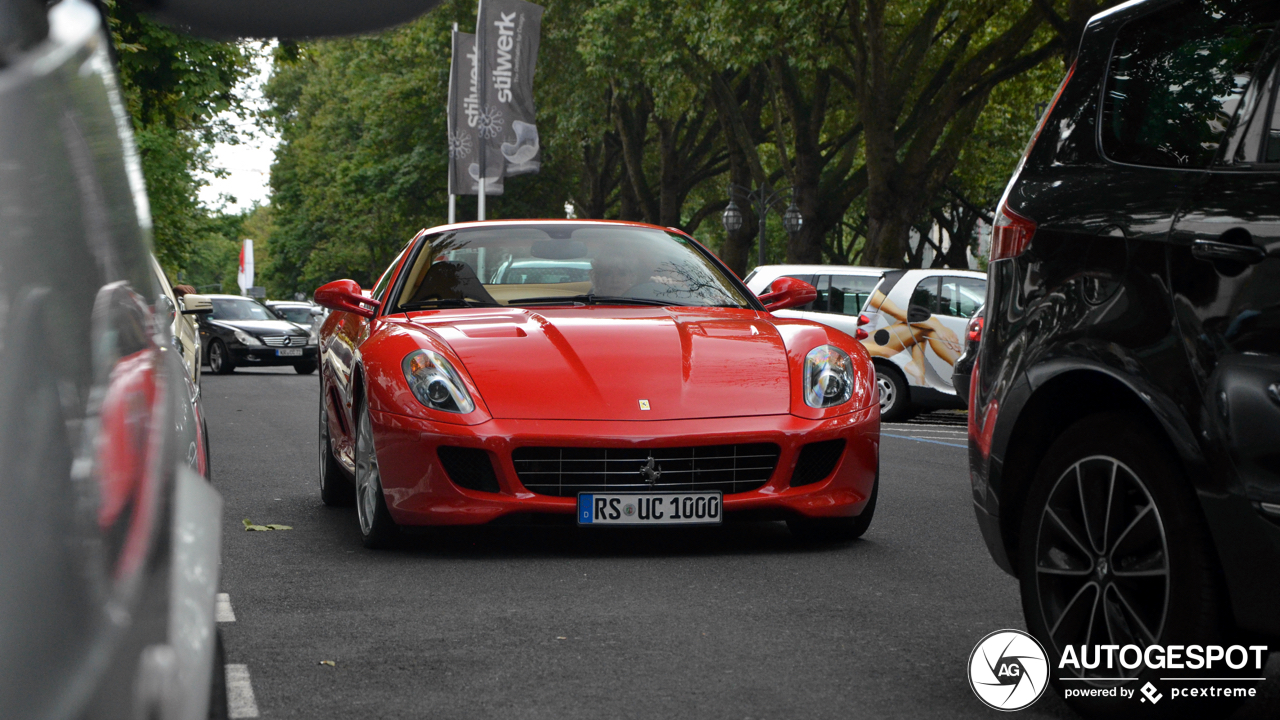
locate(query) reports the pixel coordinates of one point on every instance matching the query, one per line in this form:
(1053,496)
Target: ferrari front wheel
(377,529)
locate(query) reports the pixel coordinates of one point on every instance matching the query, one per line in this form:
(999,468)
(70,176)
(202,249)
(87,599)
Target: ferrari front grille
(565,472)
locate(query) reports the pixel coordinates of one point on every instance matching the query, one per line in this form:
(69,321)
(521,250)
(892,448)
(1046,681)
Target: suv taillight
(1010,234)
(975,329)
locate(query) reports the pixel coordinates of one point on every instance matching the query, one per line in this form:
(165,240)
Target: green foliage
(362,161)
(883,114)
(174,87)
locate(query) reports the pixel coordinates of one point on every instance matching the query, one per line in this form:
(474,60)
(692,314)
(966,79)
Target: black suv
(1125,430)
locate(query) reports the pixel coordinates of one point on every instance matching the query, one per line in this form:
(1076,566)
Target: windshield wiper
(445,302)
(590,299)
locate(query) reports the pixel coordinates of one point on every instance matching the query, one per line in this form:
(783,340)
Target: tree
(174,87)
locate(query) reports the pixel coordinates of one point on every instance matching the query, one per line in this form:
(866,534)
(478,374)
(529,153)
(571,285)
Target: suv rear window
(1177,77)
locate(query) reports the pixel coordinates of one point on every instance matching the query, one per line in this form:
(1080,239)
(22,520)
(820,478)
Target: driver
(616,273)
(634,269)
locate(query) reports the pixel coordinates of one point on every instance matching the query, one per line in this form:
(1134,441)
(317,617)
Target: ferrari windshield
(548,264)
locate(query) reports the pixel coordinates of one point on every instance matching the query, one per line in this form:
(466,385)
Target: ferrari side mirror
(786,292)
(344,296)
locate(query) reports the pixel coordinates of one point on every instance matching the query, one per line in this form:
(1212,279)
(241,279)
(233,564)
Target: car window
(819,283)
(1271,153)
(537,273)
(1176,79)
(295,314)
(385,280)
(567,263)
(926,294)
(226,309)
(961,296)
(850,292)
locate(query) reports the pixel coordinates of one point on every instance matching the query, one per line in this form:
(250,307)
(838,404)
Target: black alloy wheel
(220,362)
(1113,550)
(336,489)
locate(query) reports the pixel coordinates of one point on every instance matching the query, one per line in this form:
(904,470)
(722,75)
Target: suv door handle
(1212,250)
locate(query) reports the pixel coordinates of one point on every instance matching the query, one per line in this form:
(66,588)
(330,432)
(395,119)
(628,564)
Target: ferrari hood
(610,363)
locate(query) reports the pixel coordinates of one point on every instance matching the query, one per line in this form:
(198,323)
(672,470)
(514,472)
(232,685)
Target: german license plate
(693,508)
(292,352)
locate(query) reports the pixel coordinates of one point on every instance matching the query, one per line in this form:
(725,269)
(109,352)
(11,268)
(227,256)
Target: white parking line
(240,702)
(222,611)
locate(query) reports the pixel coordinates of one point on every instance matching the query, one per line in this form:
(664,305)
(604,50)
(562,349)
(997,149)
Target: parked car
(1126,394)
(963,371)
(296,311)
(917,318)
(243,332)
(106,609)
(184,326)
(536,272)
(306,315)
(656,390)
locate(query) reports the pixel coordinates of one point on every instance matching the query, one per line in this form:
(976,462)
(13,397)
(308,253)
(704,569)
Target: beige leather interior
(506,293)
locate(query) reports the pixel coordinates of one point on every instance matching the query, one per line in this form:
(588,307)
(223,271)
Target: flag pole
(484,105)
(453,199)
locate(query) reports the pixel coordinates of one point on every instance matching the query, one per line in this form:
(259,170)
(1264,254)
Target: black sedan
(241,332)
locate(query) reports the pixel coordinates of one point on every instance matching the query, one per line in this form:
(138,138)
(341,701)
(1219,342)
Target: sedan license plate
(292,352)
(693,508)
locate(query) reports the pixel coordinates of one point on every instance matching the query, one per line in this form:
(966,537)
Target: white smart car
(916,333)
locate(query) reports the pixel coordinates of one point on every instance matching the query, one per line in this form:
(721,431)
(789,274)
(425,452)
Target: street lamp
(762,201)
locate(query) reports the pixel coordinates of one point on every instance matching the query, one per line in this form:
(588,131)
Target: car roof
(820,269)
(548,221)
(954,272)
(225,296)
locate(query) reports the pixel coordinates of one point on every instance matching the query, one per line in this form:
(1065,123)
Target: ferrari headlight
(246,338)
(435,383)
(828,377)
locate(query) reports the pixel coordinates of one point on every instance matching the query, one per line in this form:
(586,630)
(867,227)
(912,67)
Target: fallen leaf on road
(273,526)
(248,525)
(330,663)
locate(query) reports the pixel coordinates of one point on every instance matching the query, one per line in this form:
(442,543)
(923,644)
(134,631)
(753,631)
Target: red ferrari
(616,372)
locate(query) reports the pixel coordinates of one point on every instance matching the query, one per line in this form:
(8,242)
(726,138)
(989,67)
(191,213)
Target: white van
(843,290)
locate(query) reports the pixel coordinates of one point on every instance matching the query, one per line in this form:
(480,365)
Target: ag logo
(1008,670)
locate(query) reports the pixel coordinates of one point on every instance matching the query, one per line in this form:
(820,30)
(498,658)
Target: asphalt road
(556,622)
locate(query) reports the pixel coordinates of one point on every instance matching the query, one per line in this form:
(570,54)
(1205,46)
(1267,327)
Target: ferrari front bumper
(418,491)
